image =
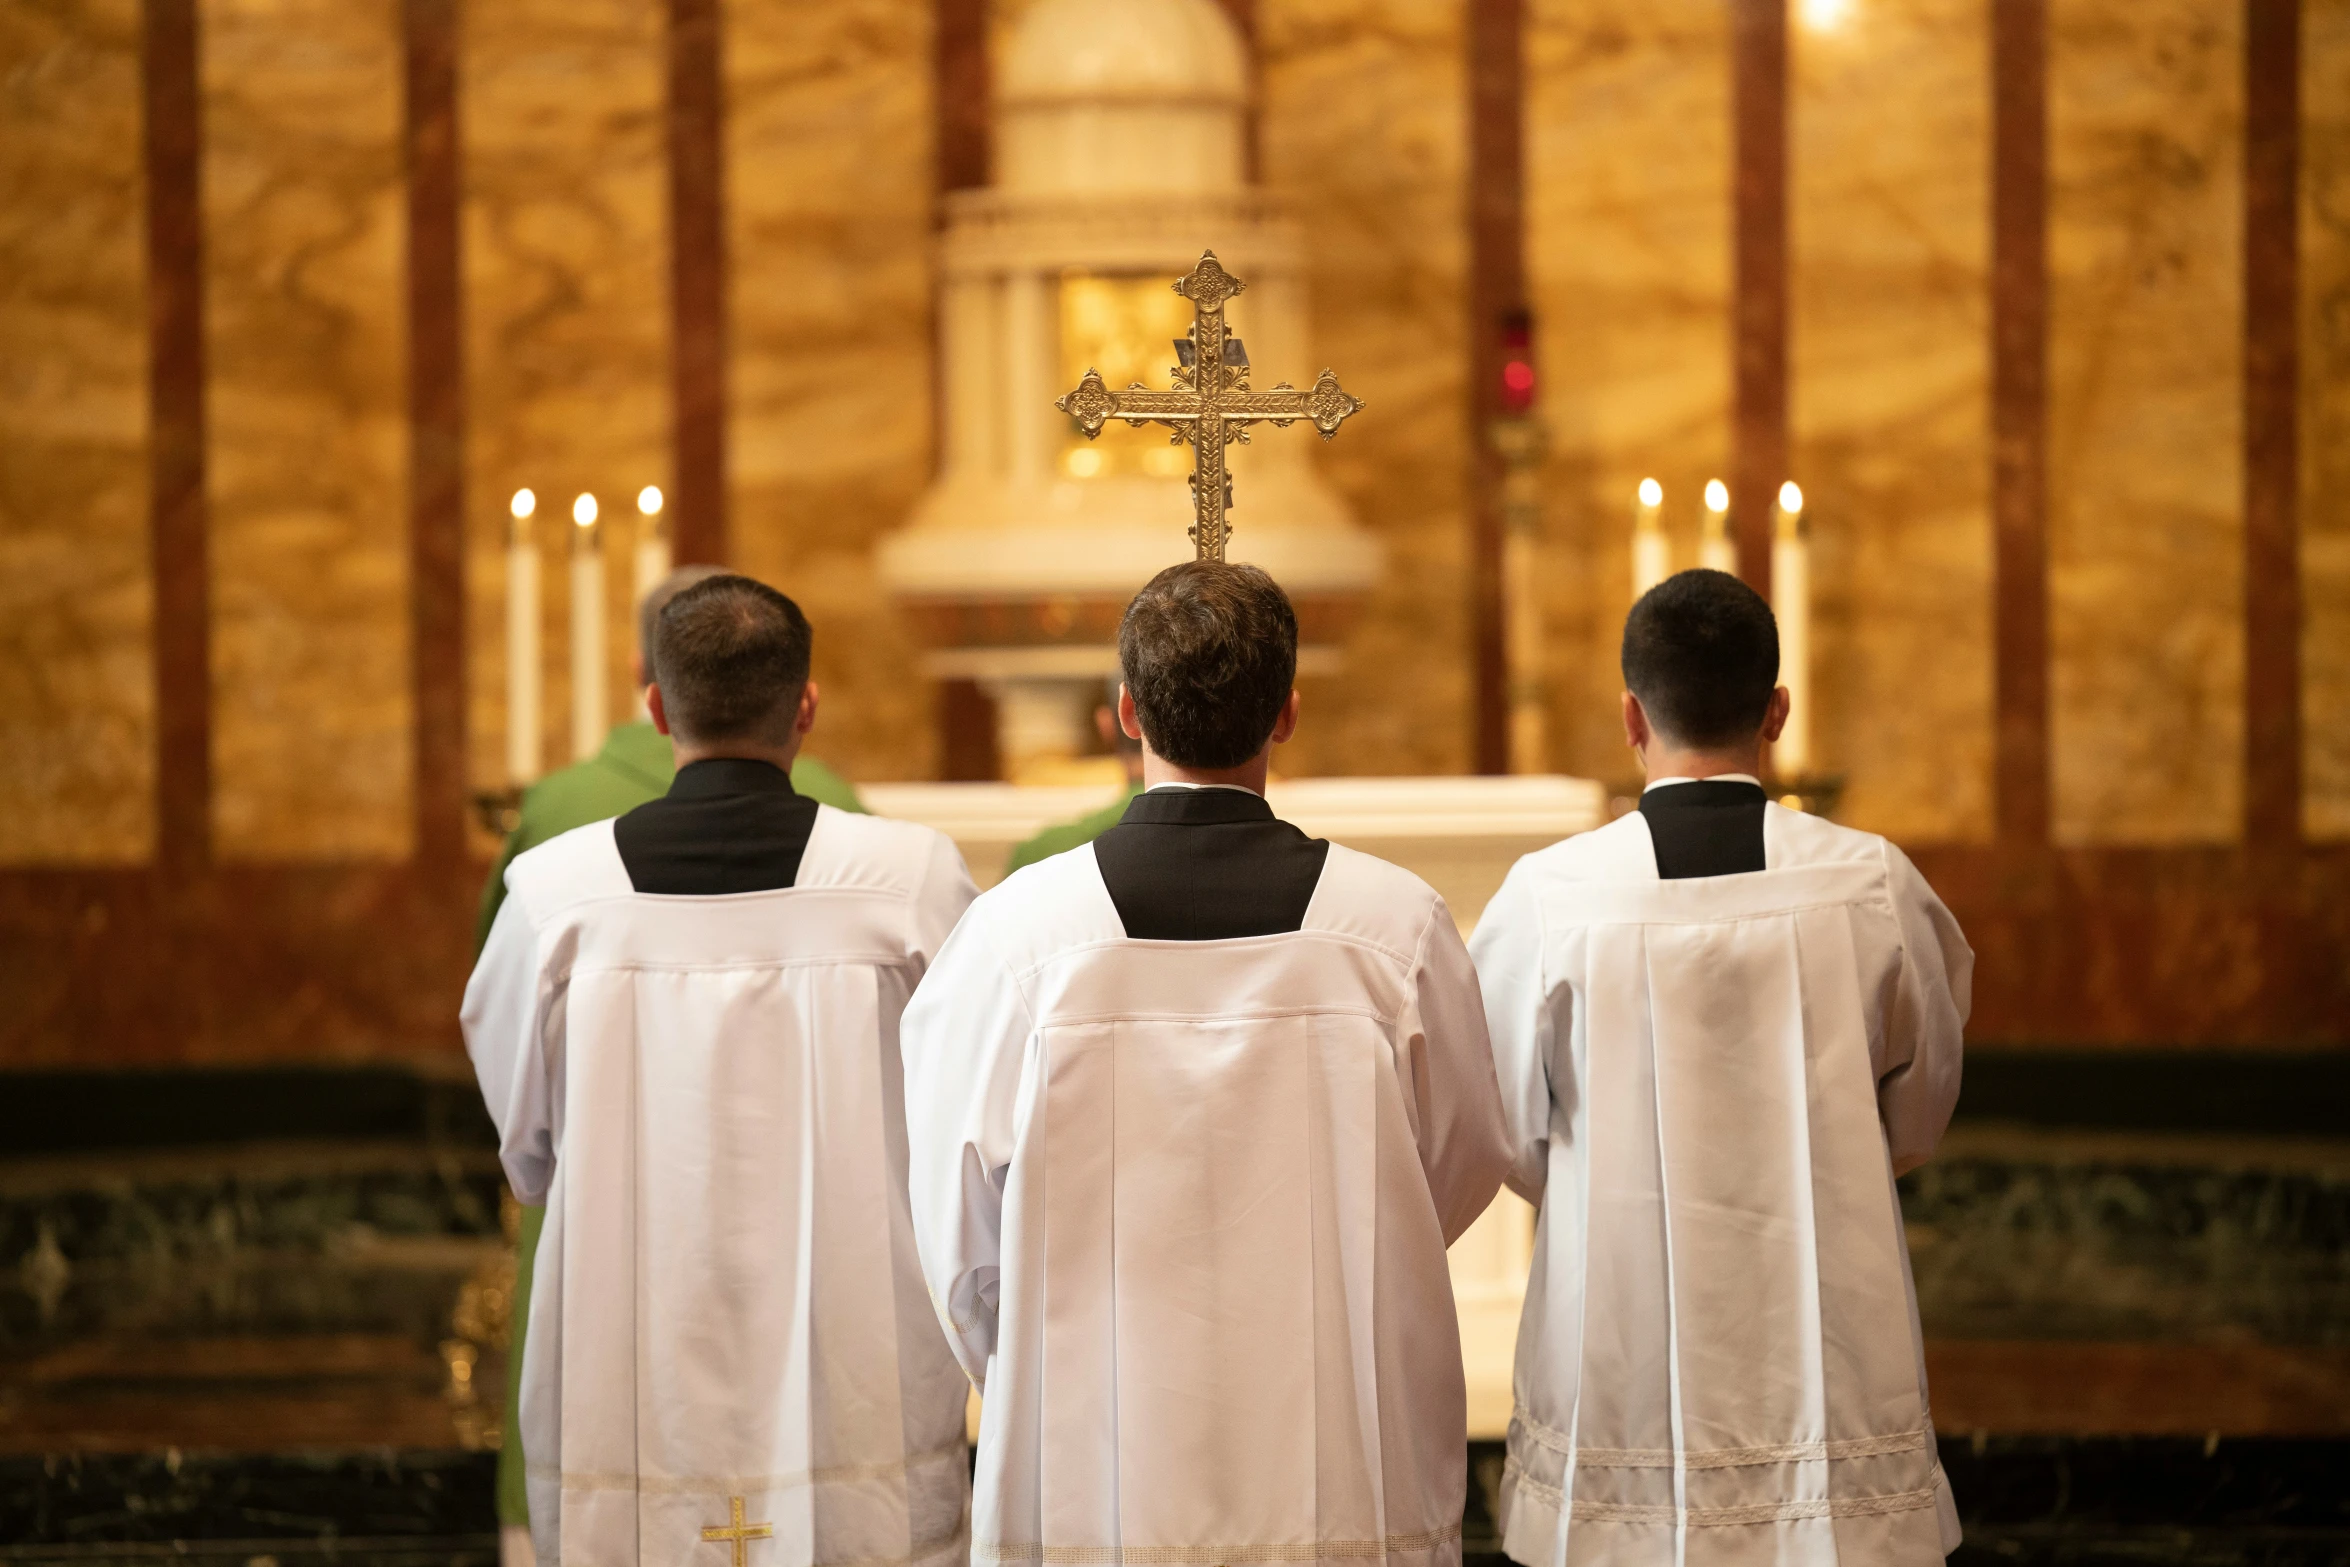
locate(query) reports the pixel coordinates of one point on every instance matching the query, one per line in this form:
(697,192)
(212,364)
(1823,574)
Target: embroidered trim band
(1725,1517)
(1210,1555)
(1725,1457)
(737,1485)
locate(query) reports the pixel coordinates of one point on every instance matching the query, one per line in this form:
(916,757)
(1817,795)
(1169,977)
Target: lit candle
(1791,602)
(522,642)
(588,719)
(652,542)
(1652,552)
(1715,552)
(652,564)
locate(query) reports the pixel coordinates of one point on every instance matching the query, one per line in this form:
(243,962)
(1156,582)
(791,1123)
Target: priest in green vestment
(1064,836)
(635,765)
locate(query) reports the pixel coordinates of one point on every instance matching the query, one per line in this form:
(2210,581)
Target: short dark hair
(1209,651)
(1701,651)
(731,658)
(656,599)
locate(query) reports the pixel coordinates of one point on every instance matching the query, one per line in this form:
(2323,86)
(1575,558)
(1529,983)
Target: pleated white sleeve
(1511,968)
(504,1018)
(1925,1029)
(938,905)
(1464,1139)
(965,1041)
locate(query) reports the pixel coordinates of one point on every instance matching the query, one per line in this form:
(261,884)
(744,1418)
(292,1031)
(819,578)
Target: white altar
(1461,835)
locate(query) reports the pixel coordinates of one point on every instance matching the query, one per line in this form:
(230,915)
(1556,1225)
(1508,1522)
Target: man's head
(648,611)
(1209,652)
(730,666)
(1701,652)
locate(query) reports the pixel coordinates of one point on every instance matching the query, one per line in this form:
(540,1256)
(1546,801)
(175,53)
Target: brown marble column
(1758,322)
(1497,294)
(182,638)
(1244,21)
(697,281)
(2019,418)
(436,430)
(959,100)
(959,92)
(2272,557)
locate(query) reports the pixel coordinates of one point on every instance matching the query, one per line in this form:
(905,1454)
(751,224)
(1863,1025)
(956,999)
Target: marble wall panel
(1628,211)
(566,299)
(76,697)
(2145,498)
(828,148)
(2325,416)
(1889,209)
(1364,126)
(307,462)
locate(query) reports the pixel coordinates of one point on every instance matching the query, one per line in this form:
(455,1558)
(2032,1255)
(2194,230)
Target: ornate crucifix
(1210,404)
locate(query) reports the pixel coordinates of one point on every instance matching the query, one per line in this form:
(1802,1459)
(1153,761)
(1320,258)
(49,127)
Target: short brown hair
(1209,651)
(731,658)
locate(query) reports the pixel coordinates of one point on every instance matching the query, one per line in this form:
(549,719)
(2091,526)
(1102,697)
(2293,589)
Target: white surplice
(705,1093)
(1711,1084)
(1184,1207)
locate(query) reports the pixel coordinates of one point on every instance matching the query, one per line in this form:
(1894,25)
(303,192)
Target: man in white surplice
(1194,1111)
(685,1022)
(1723,1028)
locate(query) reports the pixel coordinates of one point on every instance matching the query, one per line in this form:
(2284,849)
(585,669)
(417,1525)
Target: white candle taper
(1652,552)
(589,719)
(1791,602)
(522,642)
(1715,551)
(652,564)
(652,542)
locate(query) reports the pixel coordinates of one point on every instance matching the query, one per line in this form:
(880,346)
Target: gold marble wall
(1363,126)
(566,298)
(1889,365)
(77,763)
(2325,416)
(305,331)
(828,149)
(2145,418)
(1628,261)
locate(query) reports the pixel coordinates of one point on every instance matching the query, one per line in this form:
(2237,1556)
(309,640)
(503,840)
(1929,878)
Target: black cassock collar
(1207,865)
(1705,827)
(728,824)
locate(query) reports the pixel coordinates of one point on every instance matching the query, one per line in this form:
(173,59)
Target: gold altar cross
(1210,404)
(739,1533)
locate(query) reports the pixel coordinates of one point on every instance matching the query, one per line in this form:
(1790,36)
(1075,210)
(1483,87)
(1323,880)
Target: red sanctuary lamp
(1518,439)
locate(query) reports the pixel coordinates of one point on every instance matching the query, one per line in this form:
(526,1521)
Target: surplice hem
(1913,1525)
(1440,1547)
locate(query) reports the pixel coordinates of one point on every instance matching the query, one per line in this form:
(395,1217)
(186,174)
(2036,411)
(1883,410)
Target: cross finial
(737,1533)
(1210,404)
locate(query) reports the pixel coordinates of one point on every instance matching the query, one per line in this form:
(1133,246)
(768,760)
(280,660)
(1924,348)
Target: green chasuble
(634,766)
(1068,835)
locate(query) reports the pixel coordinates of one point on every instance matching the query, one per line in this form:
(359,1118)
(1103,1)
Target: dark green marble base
(351,1510)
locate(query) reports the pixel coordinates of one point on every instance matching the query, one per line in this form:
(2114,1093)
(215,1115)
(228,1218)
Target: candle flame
(523,504)
(1651,493)
(648,500)
(583,511)
(1717,496)
(1791,497)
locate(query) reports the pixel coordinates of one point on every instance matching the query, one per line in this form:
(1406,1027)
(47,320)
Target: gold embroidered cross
(738,1533)
(1211,404)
